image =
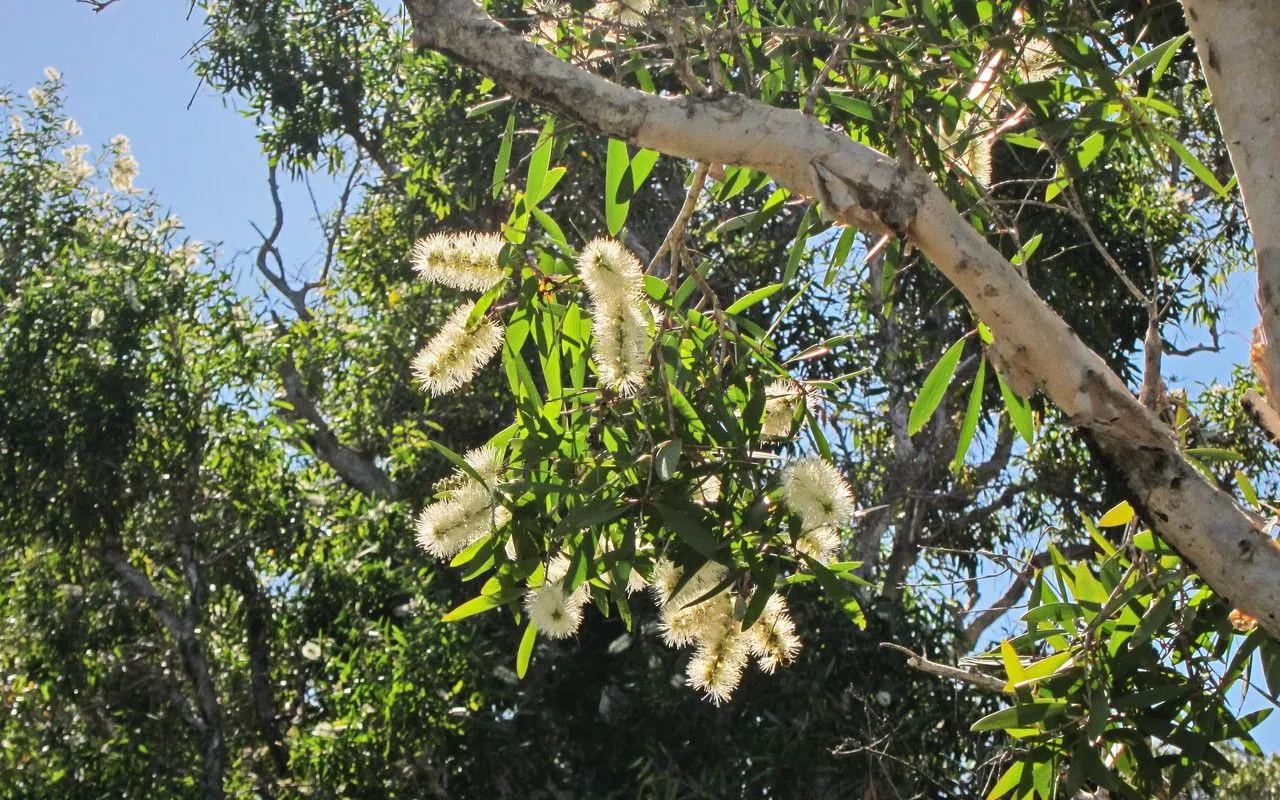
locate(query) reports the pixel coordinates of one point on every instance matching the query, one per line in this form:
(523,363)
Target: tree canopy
(729,400)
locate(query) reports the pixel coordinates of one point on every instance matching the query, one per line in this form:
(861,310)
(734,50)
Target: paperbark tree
(861,187)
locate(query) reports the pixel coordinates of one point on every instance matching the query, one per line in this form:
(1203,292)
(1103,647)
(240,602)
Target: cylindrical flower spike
(467,261)
(447,526)
(612,274)
(781,399)
(773,637)
(622,343)
(716,667)
(455,354)
(817,491)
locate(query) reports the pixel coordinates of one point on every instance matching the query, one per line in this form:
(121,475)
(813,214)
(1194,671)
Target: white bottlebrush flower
(694,624)
(821,543)
(612,274)
(447,526)
(773,640)
(124,169)
(667,576)
(635,581)
(558,571)
(716,667)
(488,462)
(623,12)
(706,490)
(816,490)
(75,167)
(781,400)
(52,74)
(39,98)
(467,261)
(457,352)
(621,344)
(553,611)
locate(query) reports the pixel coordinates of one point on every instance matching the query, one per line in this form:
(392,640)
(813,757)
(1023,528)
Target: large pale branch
(862,187)
(1238,40)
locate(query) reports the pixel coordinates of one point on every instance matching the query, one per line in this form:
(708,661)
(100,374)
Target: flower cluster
(466,261)
(469,512)
(620,317)
(782,398)
(819,494)
(553,609)
(463,345)
(124,167)
(457,352)
(713,626)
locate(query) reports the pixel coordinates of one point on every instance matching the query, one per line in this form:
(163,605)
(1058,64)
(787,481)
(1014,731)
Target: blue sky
(125,72)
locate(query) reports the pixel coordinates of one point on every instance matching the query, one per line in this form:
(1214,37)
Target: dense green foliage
(208,499)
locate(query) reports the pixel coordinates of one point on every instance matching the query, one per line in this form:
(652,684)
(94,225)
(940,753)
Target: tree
(1020,116)
(1030,345)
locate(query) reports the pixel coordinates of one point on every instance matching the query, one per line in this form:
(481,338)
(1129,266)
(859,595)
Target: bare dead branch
(972,677)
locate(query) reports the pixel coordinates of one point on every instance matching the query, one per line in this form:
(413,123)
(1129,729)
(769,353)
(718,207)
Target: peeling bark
(1237,39)
(862,187)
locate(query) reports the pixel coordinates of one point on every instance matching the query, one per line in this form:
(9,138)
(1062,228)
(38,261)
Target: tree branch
(979,679)
(1235,40)
(212,740)
(861,187)
(356,470)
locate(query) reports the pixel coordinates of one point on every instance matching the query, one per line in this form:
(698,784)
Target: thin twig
(971,677)
(675,235)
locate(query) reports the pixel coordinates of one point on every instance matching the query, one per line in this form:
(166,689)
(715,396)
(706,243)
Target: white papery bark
(1239,46)
(862,187)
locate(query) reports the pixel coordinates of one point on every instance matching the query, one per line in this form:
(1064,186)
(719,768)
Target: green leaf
(1117,516)
(1012,664)
(458,461)
(1008,781)
(480,109)
(1090,149)
(1023,715)
(854,106)
(1247,491)
(688,530)
(759,295)
(1054,612)
(616,163)
(485,602)
(764,590)
(641,165)
(504,156)
(538,162)
(1215,454)
(667,459)
(935,386)
(551,227)
(1194,164)
(1027,250)
(525,652)
(1019,412)
(1160,54)
(971,412)
(1045,667)
(595,513)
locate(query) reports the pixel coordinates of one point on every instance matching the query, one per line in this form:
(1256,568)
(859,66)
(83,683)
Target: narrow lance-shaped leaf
(935,386)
